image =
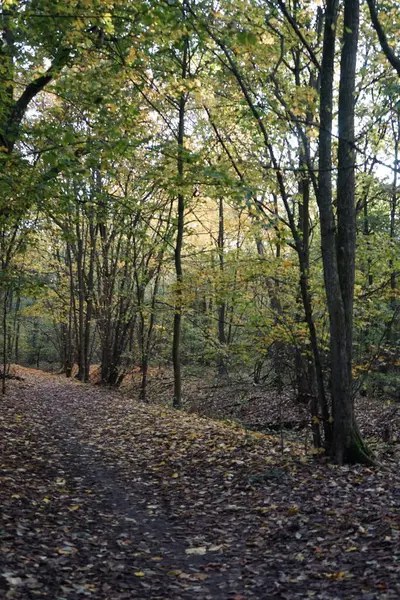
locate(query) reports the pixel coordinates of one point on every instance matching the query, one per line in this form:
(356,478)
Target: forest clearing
(199,299)
(108,499)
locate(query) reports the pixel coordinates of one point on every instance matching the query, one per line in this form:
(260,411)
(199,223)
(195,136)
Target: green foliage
(88,184)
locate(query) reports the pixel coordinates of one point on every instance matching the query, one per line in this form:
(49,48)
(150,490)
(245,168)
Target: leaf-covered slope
(108,499)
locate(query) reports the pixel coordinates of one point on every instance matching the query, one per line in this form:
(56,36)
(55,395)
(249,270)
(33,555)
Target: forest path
(108,499)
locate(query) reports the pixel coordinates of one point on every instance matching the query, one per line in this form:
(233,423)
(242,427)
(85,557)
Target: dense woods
(207,187)
(199,299)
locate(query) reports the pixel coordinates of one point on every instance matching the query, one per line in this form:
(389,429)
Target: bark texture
(338,245)
(176,343)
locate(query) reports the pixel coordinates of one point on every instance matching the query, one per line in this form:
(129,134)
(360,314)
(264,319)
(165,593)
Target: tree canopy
(205,185)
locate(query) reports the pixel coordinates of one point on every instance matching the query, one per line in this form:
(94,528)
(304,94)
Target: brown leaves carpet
(104,498)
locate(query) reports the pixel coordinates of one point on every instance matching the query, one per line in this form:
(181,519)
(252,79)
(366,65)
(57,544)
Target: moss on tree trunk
(357,452)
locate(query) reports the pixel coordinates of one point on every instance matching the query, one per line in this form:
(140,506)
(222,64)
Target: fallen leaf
(199,551)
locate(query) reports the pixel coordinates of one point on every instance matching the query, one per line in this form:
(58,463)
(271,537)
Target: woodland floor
(258,407)
(108,499)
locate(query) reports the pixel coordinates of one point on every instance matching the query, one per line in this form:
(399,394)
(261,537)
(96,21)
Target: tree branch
(32,89)
(297,31)
(389,53)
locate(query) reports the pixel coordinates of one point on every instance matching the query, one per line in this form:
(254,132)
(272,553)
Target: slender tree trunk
(89,300)
(176,344)
(149,337)
(5,360)
(338,248)
(73,308)
(143,383)
(144,362)
(391,330)
(105,285)
(346,179)
(69,346)
(222,369)
(17,328)
(309,373)
(81,306)
(366,233)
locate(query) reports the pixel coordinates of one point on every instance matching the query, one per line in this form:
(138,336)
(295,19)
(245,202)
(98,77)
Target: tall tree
(338,242)
(183,98)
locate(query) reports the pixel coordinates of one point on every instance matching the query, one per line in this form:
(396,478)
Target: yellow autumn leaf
(293,510)
(67,550)
(336,576)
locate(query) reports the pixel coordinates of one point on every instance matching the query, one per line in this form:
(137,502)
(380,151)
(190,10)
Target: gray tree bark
(338,245)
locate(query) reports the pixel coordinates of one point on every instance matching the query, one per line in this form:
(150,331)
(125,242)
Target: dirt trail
(100,501)
(84,529)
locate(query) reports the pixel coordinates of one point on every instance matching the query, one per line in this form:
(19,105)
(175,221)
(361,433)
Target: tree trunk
(222,369)
(176,344)
(366,233)
(89,300)
(5,357)
(17,328)
(392,330)
(81,305)
(310,372)
(338,249)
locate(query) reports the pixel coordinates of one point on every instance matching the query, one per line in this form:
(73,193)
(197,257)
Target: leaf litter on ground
(106,498)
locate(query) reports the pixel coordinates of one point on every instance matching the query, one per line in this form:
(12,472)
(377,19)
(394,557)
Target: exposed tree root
(358,451)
